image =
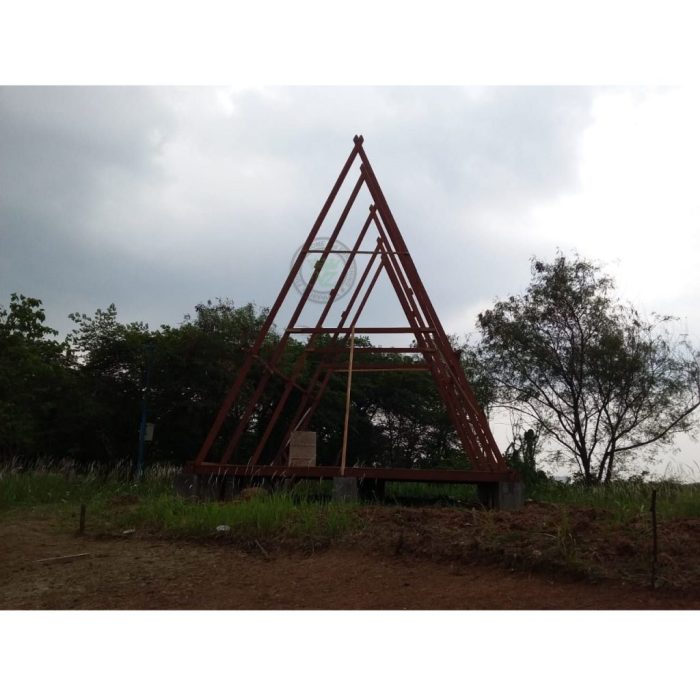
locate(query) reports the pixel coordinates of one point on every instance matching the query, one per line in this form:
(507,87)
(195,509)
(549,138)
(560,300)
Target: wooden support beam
(347,404)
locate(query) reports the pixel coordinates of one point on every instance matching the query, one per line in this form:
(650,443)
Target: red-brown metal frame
(439,357)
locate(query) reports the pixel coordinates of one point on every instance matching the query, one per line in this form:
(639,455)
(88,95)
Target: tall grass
(45,482)
(115,503)
(306,509)
(625,499)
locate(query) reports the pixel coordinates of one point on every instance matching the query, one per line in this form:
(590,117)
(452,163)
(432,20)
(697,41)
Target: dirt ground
(145,572)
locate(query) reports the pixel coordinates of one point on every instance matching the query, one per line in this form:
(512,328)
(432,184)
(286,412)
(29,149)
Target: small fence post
(655,542)
(81,526)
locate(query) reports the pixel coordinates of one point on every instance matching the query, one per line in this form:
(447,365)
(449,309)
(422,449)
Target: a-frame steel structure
(390,254)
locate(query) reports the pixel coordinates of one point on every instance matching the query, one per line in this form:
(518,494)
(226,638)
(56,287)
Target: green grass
(21,488)
(115,504)
(278,516)
(625,499)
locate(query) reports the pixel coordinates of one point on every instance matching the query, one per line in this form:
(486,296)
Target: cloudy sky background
(159,198)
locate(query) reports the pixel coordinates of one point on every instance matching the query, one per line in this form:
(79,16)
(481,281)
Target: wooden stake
(347,403)
(63,559)
(655,547)
(81,527)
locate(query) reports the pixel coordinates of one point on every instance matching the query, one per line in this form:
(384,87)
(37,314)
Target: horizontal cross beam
(375,348)
(381,368)
(357,252)
(367,329)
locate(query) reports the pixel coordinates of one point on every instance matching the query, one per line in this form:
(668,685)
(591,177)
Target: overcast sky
(159,198)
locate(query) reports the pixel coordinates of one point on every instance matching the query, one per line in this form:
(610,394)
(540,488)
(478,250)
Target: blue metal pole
(144,413)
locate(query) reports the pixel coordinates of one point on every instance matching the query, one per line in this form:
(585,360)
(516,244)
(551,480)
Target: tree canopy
(584,371)
(82,397)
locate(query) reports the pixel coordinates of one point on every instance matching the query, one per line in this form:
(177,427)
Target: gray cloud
(158,198)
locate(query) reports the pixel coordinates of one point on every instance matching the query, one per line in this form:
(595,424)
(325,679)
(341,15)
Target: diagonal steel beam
(494,455)
(304,411)
(253,401)
(318,330)
(247,363)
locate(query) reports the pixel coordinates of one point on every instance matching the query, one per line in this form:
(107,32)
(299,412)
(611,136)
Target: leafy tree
(585,368)
(35,381)
(191,367)
(109,357)
(194,364)
(82,398)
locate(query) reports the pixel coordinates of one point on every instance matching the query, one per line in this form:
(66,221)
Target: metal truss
(388,254)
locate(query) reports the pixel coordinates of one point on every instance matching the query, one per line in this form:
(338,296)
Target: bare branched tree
(586,369)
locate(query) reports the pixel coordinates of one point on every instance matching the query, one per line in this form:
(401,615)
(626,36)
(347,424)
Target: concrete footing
(504,495)
(345,489)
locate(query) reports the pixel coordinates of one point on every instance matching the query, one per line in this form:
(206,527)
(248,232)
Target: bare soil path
(136,572)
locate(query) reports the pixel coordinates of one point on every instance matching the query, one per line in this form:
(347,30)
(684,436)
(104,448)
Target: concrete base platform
(505,495)
(370,486)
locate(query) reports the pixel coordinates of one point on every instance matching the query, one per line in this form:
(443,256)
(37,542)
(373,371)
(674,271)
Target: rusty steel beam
(304,415)
(462,424)
(252,402)
(347,252)
(308,411)
(373,349)
(414,314)
(298,366)
(478,418)
(360,330)
(416,317)
(245,369)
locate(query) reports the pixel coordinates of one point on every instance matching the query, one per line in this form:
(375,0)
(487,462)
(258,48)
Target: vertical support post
(138,472)
(347,403)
